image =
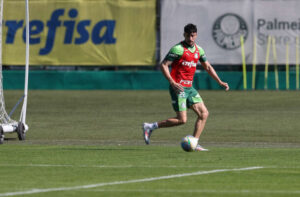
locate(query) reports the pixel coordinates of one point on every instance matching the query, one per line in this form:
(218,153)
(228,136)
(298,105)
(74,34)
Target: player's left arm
(211,71)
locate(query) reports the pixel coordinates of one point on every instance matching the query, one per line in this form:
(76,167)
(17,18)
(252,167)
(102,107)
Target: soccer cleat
(146,133)
(200,148)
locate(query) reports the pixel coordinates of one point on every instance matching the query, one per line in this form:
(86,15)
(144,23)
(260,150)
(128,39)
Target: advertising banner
(282,23)
(81,32)
(221,23)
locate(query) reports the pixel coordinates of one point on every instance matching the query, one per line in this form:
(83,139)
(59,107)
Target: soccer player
(183,58)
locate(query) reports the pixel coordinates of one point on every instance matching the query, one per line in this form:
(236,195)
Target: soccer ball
(189,143)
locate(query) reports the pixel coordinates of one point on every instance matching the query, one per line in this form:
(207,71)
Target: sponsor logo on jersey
(186,82)
(189,64)
(173,55)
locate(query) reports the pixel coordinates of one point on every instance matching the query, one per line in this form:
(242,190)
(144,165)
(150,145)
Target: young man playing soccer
(183,58)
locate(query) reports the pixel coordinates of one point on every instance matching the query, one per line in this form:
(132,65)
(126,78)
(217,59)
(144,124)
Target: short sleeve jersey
(184,61)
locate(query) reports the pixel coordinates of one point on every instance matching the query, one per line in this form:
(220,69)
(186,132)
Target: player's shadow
(10,139)
(106,149)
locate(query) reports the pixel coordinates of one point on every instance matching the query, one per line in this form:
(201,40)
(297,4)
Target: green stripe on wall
(131,80)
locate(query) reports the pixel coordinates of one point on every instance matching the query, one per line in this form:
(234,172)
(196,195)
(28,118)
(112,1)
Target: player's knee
(182,120)
(204,115)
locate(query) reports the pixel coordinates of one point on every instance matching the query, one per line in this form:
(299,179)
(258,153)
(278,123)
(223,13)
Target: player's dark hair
(190,28)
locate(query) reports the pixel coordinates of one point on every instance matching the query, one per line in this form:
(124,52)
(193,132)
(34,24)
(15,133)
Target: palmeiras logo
(196,55)
(228,29)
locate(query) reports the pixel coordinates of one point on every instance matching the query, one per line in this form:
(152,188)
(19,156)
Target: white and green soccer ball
(189,143)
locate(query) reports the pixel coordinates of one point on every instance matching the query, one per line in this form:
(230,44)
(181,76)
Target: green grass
(79,138)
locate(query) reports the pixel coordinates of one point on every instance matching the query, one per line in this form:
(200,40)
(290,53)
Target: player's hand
(225,85)
(177,87)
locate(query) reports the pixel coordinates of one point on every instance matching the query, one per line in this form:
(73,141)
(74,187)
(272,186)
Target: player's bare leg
(202,113)
(180,119)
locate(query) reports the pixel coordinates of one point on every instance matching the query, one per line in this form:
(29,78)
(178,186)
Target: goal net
(4,118)
(7,124)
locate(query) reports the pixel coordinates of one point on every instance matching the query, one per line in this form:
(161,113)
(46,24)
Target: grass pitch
(89,143)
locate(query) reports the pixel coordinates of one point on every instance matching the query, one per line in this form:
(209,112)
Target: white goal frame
(9,125)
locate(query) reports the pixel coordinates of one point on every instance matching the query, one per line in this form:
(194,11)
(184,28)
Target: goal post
(24,108)
(7,124)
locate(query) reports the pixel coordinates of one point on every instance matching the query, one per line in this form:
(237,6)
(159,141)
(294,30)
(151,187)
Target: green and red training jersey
(184,61)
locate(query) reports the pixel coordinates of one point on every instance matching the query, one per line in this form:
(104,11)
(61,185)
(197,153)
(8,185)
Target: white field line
(197,191)
(34,191)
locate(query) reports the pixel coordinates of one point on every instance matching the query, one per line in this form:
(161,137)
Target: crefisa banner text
(80,32)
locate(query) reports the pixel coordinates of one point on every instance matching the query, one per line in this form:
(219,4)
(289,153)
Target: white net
(4,117)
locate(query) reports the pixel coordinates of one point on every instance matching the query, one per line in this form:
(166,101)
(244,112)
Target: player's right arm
(174,54)
(164,66)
